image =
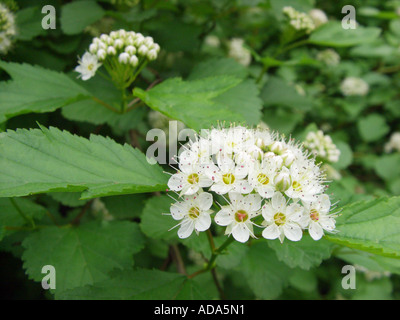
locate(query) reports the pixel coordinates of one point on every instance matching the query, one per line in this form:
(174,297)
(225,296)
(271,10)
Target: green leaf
(332,34)
(372,226)
(155,223)
(195,102)
(50,160)
(82,255)
(90,110)
(373,127)
(76,16)
(35,89)
(277,92)
(10,218)
(264,273)
(139,285)
(387,166)
(304,254)
(243,96)
(29,24)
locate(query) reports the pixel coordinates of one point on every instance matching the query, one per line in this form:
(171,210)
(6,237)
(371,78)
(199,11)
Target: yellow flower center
(193,178)
(194,212)
(228,178)
(279,218)
(263,179)
(90,67)
(296,186)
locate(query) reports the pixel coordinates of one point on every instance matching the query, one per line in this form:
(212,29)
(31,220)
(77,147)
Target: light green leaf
(10,218)
(29,23)
(82,255)
(372,226)
(76,16)
(139,285)
(332,34)
(35,89)
(155,223)
(387,166)
(373,127)
(90,110)
(304,254)
(264,273)
(50,160)
(195,102)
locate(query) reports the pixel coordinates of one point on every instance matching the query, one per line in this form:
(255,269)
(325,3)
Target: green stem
(22,214)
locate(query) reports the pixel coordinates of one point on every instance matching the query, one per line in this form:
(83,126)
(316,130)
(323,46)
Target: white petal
(177,211)
(205,201)
(242,186)
(186,228)
(294,212)
(292,231)
(315,230)
(221,188)
(279,202)
(266,191)
(224,216)
(175,183)
(327,223)
(203,222)
(271,232)
(241,233)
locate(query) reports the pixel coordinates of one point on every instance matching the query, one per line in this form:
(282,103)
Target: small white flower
(228,176)
(143,50)
(322,146)
(299,20)
(317,217)
(238,52)
(282,220)
(88,66)
(238,214)
(353,86)
(305,181)
(394,143)
(329,56)
(194,212)
(262,176)
(152,54)
(189,179)
(318,16)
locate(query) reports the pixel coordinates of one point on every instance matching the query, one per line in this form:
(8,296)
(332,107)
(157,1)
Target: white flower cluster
(262,178)
(318,17)
(299,20)
(352,86)
(118,48)
(7,28)
(394,143)
(329,57)
(322,146)
(238,52)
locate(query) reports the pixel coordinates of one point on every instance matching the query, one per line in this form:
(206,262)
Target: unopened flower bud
(282,181)
(134,61)
(124,58)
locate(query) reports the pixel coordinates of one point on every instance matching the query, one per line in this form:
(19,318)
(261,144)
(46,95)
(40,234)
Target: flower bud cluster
(7,28)
(128,46)
(238,52)
(322,146)
(329,57)
(263,178)
(353,86)
(120,51)
(299,20)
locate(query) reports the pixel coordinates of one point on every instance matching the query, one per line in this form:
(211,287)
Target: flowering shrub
(199,149)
